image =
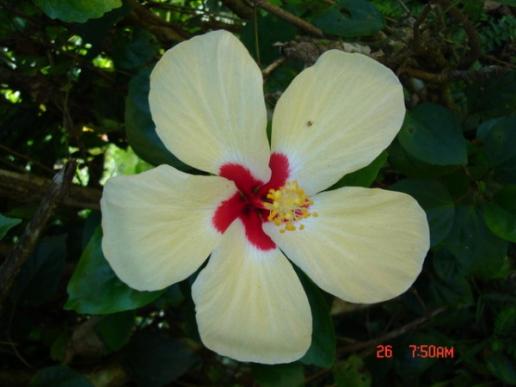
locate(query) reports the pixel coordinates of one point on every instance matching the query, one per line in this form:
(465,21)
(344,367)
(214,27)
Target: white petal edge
(365,245)
(336,117)
(158,225)
(250,304)
(206,99)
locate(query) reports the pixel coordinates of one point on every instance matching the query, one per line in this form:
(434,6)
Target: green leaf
(134,50)
(140,129)
(458,184)
(502,367)
(60,346)
(115,330)
(401,160)
(59,376)
(500,215)
(156,360)
(500,141)
(450,285)
(322,351)
(363,177)
(39,277)
(499,138)
(171,298)
(281,375)
(435,200)
(508,2)
(485,127)
(6,224)
(118,161)
(95,289)
(493,97)
(77,10)
(352,372)
(350,18)
(97,31)
(505,323)
(479,251)
(270,30)
(506,173)
(432,133)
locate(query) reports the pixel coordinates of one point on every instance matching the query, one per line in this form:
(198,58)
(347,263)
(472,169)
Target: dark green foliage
(108,294)
(363,177)
(494,97)
(351,372)
(115,329)
(156,360)
(77,10)
(59,376)
(450,285)
(474,246)
(499,32)
(433,134)
(435,199)
(271,30)
(6,223)
(40,276)
(500,214)
(74,83)
(322,351)
(350,18)
(284,375)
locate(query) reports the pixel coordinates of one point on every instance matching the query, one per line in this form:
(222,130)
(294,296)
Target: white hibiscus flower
(265,203)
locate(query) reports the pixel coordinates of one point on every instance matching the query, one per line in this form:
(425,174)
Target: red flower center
(247,203)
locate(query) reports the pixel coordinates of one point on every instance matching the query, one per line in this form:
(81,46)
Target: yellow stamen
(288,205)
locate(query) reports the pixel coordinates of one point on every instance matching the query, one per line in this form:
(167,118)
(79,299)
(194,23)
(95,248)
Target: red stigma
(246,204)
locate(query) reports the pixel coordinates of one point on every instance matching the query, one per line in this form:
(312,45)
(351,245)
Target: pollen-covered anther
(288,205)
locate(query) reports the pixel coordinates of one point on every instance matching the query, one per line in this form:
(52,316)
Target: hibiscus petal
(206,98)
(250,303)
(158,225)
(336,117)
(365,245)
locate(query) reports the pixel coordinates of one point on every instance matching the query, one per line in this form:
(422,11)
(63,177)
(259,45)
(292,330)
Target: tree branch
(28,187)
(239,8)
(24,248)
(292,19)
(471,32)
(392,334)
(267,71)
(164,30)
(453,75)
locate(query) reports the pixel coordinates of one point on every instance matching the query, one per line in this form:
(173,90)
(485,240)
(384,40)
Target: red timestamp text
(420,351)
(431,351)
(384,351)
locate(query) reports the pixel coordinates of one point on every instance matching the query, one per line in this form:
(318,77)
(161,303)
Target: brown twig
(24,248)
(190,11)
(473,38)
(27,187)
(267,71)
(417,25)
(404,6)
(292,19)
(26,158)
(392,334)
(452,75)
(239,8)
(362,345)
(164,30)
